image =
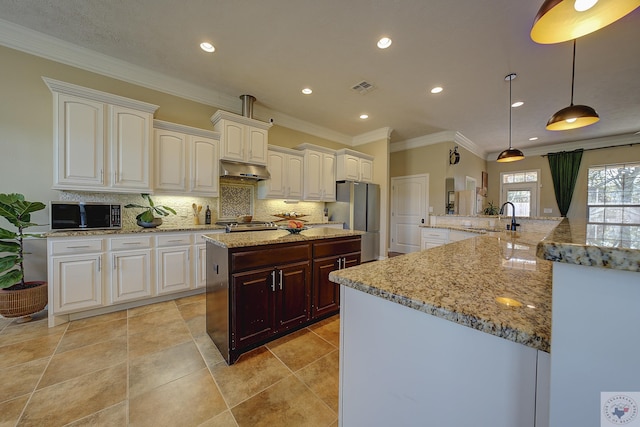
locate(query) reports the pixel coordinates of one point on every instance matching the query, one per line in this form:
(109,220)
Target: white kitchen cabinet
(432,237)
(286,169)
(319,173)
(101,141)
(186,159)
(242,139)
(457,235)
(354,166)
(173,260)
(130,268)
(75,274)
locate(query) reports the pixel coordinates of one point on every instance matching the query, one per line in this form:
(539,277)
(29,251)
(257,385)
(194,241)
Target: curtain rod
(596,148)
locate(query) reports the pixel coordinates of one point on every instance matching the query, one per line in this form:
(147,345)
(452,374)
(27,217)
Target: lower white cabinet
(130,268)
(173,255)
(75,274)
(200,265)
(432,237)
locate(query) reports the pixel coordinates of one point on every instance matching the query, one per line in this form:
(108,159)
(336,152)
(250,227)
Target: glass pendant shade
(510,154)
(558,20)
(573,117)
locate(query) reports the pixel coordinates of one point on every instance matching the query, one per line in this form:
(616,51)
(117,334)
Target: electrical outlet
(548,210)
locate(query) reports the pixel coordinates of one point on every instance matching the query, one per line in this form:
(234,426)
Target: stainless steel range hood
(243,170)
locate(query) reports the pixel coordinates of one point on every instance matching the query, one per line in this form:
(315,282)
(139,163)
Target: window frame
(533,186)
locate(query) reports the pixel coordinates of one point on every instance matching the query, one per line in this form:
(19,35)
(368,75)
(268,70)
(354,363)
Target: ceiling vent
(363,87)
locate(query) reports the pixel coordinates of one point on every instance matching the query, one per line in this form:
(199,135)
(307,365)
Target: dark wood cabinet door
(253,314)
(351,260)
(326,294)
(292,295)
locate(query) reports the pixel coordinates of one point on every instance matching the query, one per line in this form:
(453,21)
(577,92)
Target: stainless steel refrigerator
(357,205)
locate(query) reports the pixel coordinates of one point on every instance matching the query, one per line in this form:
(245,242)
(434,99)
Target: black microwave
(85,216)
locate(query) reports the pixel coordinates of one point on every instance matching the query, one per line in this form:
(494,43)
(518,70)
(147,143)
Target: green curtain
(564,172)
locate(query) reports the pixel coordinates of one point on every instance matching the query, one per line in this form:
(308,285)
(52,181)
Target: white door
(523,196)
(409,201)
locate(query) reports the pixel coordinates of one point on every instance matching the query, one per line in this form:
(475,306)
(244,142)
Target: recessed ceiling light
(533,138)
(384,42)
(364,116)
(437,89)
(517,104)
(307,91)
(207,47)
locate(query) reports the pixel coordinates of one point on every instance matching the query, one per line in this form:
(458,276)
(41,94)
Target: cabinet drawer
(435,233)
(270,257)
(174,240)
(124,243)
(336,247)
(65,247)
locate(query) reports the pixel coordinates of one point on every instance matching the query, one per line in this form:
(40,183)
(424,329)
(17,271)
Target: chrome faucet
(513,218)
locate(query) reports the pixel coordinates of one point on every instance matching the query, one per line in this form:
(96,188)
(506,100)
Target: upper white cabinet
(102,142)
(186,159)
(286,169)
(242,139)
(319,173)
(354,166)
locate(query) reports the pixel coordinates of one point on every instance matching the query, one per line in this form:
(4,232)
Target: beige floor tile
(188,401)
(24,351)
(287,403)
(189,311)
(95,320)
(328,329)
(300,348)
(83,360)
(113,416)
(132,312)
(92,335)
(75,399)
(197,325)
(322,377)
(21,379)
(208,350)
(200,298)
(28,331)
(153,319)
(253,372)
(225,419)
(10,411)
(158,338)
(155,369)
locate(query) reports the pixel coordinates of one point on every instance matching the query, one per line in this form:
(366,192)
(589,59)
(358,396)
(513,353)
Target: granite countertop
(258,238)
(575,242)
(469,282)
(137,229)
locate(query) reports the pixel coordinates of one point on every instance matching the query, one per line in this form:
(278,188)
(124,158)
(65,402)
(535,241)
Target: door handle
(280,279)
(273,281)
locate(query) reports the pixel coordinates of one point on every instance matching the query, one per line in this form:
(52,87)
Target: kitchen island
(454,335)
(265,284)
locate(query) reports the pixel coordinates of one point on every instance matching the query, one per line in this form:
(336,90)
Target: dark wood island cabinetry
(264,286)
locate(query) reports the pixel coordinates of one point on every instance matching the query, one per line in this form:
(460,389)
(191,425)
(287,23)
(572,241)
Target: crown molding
(437,138)
(586,144)
(374,135)
(175,127)
(469,145)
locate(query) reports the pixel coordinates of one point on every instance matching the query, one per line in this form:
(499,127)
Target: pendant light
(510,154)
(573,116)
(561,20)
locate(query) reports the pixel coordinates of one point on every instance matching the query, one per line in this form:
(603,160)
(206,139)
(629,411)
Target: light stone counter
(573,242)
(127,230)
(469,282)
(259,238)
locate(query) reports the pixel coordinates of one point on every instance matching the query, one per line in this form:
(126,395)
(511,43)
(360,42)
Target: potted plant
(491,209)
(17,297)
(147,217)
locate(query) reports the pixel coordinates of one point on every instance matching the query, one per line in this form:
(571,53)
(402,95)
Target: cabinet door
(351,165)
(326,294)
(252,319)
(203,173)
(174,271)
(313,166)
(131,275)
(130,133)
(170,162)
(329,178)
(366,170)
(256,143)
(79,143)
(294,182)
(200,266)
(275,186)
(77,282)
(232,141)
(292,295)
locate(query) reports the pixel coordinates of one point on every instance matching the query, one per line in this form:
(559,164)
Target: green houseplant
(18,298)
(147,218)
(491,209)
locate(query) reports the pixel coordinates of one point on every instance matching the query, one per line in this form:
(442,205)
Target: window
(613,205)
(521,189)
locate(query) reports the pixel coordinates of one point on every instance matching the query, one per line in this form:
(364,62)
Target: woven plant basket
(23,302)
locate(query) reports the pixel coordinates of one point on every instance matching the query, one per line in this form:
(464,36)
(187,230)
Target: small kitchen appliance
(85,216)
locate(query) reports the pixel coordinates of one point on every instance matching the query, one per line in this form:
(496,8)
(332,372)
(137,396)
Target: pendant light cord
(573,70)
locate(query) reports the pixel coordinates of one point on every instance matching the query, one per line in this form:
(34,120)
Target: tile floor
(156,366)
